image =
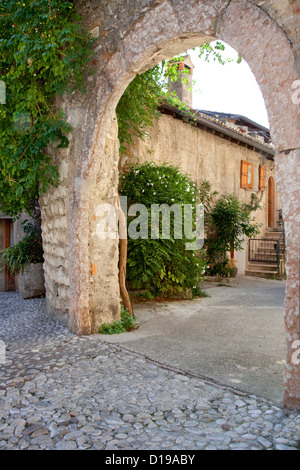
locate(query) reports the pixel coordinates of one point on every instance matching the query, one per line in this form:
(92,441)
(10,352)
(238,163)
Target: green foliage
(43,54)
(198,292)
(161,265)
(227,222)
(127,323)
(215,266)
(139,104)
(212,51)
(254,204)
(26,251)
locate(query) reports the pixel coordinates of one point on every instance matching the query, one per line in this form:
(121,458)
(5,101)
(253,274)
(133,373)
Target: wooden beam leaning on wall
(123,259)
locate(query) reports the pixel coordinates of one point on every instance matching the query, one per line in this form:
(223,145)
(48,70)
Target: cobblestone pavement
(60,391)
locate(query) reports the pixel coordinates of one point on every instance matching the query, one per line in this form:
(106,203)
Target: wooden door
(9,278)
(271,202)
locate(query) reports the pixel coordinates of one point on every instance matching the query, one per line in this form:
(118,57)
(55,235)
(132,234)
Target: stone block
(31,282)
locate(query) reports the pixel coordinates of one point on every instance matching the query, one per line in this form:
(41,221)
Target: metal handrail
(267,250)
(262,250)
(280,248)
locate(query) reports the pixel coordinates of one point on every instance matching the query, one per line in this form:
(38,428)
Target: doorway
(7,280)
(271,203)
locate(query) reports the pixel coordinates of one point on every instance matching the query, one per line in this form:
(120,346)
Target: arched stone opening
(166,29)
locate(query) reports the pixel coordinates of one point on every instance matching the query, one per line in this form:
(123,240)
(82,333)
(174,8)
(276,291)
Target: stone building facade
(131,36)
(218,149)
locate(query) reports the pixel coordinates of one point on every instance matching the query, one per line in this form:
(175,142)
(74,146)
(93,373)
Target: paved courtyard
(235,337)
(60,391)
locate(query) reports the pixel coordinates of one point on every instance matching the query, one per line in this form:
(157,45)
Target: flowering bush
(161,265)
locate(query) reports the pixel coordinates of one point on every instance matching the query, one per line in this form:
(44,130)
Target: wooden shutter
(244,174)
(261,177)
(250,184)
(246,168)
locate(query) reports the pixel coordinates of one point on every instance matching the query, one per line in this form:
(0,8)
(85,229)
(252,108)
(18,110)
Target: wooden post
(122,260)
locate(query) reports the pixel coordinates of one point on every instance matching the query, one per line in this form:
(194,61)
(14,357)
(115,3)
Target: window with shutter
(247,174)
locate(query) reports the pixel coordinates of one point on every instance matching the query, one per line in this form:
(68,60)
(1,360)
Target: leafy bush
(43,53)
(226,223)
(127,323)
(26,251)
(161,265)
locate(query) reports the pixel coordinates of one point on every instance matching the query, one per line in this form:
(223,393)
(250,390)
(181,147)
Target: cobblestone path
(60,391)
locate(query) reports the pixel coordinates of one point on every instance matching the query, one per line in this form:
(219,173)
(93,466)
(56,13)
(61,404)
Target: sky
(229,88)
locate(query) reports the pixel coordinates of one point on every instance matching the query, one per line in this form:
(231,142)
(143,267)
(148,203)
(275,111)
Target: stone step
(261,249)
(272,235)
(262,274)
(272,255)
(266,269)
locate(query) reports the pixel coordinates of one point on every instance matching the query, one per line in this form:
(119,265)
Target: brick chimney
(182,89)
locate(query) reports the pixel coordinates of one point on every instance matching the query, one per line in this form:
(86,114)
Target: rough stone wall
(203,155)
(286,13)
(54,212)
(131,37)
(288,177)
(104,252)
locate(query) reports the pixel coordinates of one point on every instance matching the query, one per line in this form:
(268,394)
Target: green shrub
(161,265)
(26,251)
(227,221)
(127,323)
(44,53)
(198,292)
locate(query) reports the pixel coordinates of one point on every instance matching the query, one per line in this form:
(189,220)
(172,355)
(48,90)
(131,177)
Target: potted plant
(25,259)
(226,224)
(232,267)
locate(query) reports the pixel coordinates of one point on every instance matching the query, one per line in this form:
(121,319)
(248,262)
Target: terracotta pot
(233,272)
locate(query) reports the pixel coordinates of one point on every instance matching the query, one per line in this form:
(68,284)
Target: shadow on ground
(236,337)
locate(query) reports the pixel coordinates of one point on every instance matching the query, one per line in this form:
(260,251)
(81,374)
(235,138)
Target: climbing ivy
(43,54)
(139,105)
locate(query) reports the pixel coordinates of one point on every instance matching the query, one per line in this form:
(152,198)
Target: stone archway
(89,165)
